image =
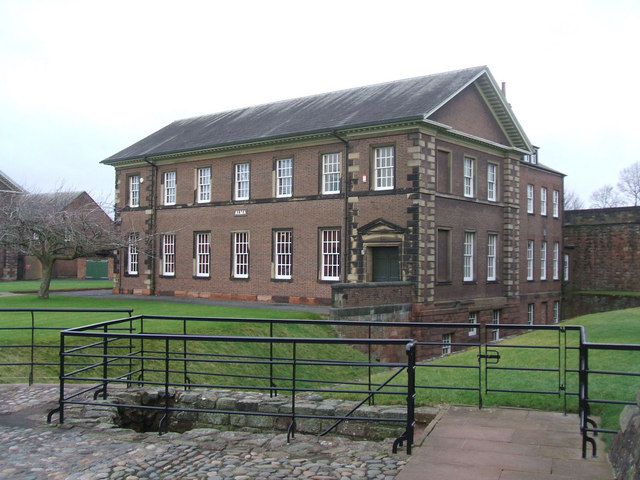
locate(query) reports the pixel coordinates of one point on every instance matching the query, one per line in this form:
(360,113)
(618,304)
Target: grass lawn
(71,284)
(53,322)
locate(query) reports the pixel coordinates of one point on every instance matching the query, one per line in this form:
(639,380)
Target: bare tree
(55,226)
(629,183)
(572,200)
(605,197)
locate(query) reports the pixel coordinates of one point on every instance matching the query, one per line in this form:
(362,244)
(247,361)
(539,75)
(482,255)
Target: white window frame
(530,313)
(543,201)
(242,179)
(492,257)
(330,254)
(384,168)
(446,344)
(469,176)
(495,320)
(492,182)
(331,165)
(556,311)
(134,191)
(473,319)
(566,267)
(556,204)
(169,255)
(283,254)
(203,254)
(530,199)
(284,177)
(169,182)
(543,260)
(133,258)
(530,259)
(468,273)
(556,260)
(204,184)
(241,254)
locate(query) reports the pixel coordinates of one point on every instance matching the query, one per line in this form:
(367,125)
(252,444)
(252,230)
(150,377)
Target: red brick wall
(604,249)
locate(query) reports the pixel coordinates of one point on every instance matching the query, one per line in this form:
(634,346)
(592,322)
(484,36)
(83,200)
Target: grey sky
(81,80)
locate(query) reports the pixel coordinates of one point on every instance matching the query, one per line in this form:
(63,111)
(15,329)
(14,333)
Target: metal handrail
(33,328)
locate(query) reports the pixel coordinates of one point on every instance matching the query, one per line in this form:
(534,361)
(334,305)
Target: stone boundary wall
(625,446)
(577,304)
(209,409)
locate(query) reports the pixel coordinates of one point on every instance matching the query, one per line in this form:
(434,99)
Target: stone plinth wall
(226,409)
(625,446)
(577,304)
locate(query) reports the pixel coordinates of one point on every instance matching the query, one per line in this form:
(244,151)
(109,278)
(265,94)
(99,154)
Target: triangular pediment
(480,109)
(380,226)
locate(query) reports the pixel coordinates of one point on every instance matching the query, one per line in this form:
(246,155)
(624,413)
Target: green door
(97,269)
(385,264)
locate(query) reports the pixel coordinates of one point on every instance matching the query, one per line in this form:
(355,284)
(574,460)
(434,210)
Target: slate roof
(12,186)
(409,99)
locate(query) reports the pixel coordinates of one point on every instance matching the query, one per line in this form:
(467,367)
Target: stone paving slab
(465,443)
(462,443)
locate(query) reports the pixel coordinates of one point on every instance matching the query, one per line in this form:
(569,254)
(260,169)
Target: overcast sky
(82,80)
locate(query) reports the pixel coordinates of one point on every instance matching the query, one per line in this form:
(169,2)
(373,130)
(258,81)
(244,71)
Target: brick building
(9,260)
(408,199)
(17,266)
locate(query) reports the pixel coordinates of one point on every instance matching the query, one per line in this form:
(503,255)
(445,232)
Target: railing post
(105,363)
(184,354)
(291,432)
(164,421)
(372,398)
(141,377)
(272,391)
(33,346)
(129,379)
(411,393)
(60,409)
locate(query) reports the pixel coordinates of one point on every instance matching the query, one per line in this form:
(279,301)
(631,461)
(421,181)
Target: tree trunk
(47,271)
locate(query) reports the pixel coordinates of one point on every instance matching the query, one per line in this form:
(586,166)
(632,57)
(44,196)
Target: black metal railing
(28,329)
(258,363)
(129,352)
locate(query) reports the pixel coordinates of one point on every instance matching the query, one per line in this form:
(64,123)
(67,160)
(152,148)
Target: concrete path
(465,443)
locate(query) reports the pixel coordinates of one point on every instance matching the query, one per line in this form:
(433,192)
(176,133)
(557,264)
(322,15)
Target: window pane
(491,182)
(468,256)
(169,188)
(132,260)
(284,174)
(203,254)
(492,245)
(168,255)
(495,320)
(134,191)
(331,173)
(204,184)
(242,181)
(473,318)
(530,260)
(241,254)
(330,255)
(543,261)
(384,168)
(469,168)
(530,199)
(283,254)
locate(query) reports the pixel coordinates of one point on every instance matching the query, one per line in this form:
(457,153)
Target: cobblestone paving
(89,449)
